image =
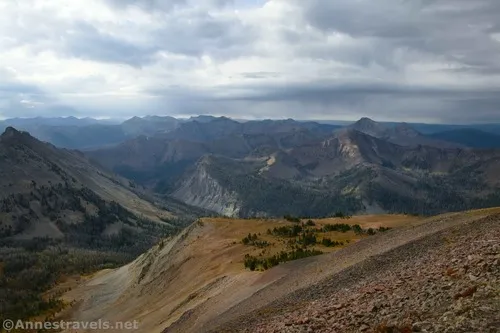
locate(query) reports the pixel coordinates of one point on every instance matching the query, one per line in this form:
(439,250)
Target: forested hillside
(61,216)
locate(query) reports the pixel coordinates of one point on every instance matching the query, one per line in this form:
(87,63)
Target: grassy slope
(203,263)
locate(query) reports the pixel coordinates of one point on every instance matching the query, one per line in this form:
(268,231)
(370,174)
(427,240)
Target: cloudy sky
(413,60)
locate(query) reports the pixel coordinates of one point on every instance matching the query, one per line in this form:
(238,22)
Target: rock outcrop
(202,190)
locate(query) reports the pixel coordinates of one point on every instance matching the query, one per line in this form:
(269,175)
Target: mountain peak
(366,122)
(10,132)
(366,119)
(369,126)
(202,118)
(223,120)
(134,119)
(14,136)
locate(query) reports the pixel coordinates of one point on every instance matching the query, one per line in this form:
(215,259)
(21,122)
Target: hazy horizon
(118,120)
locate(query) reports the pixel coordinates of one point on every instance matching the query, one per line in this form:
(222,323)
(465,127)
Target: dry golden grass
(234,230)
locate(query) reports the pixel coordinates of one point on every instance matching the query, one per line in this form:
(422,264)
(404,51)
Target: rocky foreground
(448,282)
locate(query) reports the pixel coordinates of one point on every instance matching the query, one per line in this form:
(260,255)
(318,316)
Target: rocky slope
(445,281)
(200,189)
(436,275)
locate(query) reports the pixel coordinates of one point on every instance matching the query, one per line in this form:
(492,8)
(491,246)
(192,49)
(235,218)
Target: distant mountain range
(402,134)
(89,133)
(271,168)
(277,167)
(54,121)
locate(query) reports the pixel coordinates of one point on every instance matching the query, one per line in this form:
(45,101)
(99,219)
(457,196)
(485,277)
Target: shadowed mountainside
(469,137)
(61,215)
(307,170)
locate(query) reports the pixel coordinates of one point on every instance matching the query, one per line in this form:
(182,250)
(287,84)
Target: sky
(434,61)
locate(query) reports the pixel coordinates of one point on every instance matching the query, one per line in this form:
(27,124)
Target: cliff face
(202,190)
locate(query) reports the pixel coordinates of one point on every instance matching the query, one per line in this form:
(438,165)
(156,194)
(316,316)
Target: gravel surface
(443,276)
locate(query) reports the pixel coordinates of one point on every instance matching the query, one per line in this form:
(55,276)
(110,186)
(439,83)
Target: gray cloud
(428,60)
(166,5)
(457,30)
(195,32)
(88,43)
(185,30)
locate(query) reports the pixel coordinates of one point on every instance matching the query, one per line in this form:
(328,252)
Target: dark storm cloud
(11,89)
(455,33)
(402,19)
(183,28)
